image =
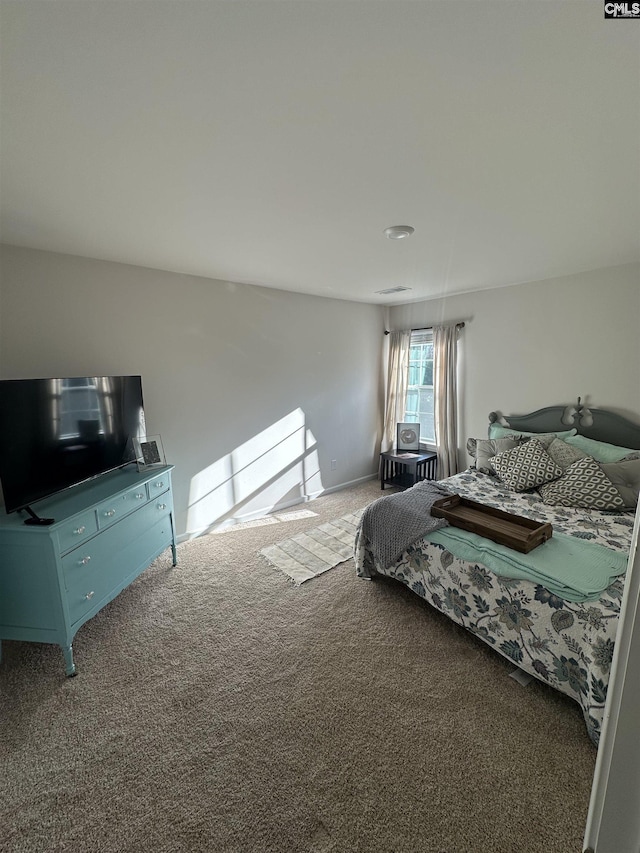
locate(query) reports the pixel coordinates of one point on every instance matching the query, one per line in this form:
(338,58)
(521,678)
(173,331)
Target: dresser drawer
(84,568)
(160,506)
(104,575)
(88,561)
(158,485)
(120,505)
(76,530)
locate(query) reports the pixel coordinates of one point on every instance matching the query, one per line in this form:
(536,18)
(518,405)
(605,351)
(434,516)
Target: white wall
(229,371)
(543,343)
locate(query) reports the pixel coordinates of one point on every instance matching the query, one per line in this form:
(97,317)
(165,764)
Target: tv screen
(56,433)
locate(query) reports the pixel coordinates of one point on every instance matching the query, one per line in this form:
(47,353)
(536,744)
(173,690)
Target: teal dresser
(106,532)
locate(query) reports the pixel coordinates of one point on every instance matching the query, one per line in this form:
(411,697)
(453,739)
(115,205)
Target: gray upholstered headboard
(598,424)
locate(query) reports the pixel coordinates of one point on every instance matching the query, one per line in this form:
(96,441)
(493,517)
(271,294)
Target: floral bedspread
(566,644)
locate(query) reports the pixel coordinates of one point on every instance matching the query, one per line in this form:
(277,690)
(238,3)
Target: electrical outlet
(334,464)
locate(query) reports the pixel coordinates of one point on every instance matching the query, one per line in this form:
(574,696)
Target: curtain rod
(459,325)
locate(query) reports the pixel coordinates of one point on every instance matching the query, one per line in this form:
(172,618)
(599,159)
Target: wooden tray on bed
(514,531)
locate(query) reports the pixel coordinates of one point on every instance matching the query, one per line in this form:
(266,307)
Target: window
(419,405)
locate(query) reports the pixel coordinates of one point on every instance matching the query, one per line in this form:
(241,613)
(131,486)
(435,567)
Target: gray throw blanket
(393,523)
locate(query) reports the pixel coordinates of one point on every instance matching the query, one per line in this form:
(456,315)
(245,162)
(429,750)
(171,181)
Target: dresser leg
(173,541)
(70,666)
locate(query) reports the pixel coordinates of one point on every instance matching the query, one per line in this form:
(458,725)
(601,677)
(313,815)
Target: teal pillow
(599,450)
(498,431)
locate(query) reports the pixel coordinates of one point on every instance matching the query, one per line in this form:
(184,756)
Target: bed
(564,639)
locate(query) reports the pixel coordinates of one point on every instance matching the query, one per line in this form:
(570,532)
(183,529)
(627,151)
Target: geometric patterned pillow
(526,467)
(564,454)
(584,484)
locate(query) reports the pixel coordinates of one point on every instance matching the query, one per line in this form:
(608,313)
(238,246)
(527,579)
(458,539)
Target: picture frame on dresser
(149,452)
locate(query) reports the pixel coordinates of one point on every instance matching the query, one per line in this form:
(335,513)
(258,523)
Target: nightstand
(405,469)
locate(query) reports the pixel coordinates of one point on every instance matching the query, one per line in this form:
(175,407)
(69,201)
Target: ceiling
(272,142)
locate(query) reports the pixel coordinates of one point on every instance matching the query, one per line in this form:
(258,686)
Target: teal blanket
(571,568)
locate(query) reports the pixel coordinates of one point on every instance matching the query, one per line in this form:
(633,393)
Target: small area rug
(309,554)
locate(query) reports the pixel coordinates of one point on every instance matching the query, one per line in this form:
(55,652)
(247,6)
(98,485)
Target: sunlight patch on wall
(279,464)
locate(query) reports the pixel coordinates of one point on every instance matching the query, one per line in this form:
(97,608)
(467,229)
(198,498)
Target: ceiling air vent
(393,290)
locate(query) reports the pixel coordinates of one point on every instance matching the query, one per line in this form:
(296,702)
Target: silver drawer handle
(162,506)
(90,594)
(140,496)
(84,561)
(110,512)
(159,484)
(79,530)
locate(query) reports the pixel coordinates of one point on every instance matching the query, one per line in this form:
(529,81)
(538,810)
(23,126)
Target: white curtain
(445,366)
(397,379)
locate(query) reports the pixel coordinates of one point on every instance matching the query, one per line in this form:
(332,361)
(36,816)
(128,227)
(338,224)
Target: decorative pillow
(484,449)
(600,450)
(498,431)
(584,484)
(526,466)
(564,454)
(545,438)
(625,476)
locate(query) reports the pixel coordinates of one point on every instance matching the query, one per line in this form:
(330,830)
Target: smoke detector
(398,232)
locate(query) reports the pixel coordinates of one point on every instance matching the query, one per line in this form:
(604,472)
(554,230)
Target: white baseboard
(261,513)
(342,486)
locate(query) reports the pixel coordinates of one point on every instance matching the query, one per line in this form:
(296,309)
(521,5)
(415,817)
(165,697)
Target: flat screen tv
(56,433)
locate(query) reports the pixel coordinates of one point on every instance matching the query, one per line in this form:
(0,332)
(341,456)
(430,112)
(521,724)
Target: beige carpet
(313,552)
(220,708)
